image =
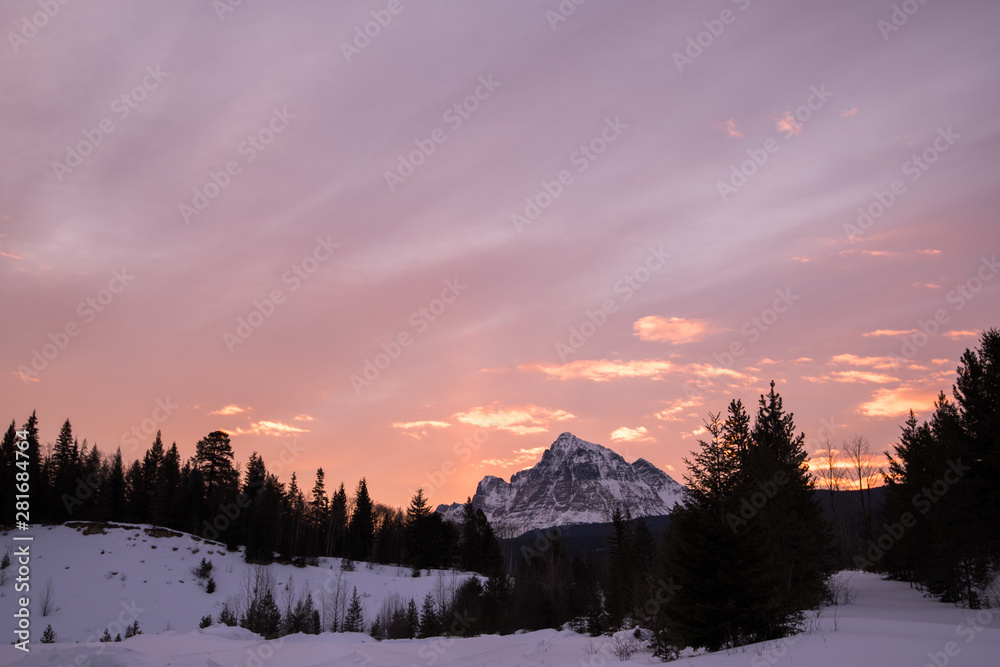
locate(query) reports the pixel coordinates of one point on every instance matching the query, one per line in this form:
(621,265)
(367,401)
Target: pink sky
(598,174)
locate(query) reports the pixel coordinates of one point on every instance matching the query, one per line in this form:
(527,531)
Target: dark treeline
(746,554)
(941,527)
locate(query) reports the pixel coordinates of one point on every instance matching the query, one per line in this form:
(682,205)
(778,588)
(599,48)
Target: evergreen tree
(65,472)
(362,524)
(412,619)
(355,619)
(944,480)
(49,635)
(430,625)
(337,534)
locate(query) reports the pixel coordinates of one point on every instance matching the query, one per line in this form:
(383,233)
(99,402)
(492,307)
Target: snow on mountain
(575,482)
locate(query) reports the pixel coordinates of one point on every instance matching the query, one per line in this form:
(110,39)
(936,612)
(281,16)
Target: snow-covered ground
(887,624)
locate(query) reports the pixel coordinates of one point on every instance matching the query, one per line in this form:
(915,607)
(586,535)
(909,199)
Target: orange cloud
(419,429)
(669,413)
(787,124)
(302,418)
(602,370)
(268,428)
(955,335)
(626,434)
(880,363)
(889,332)
(729,127)
(863,376)
(519,420)
(521,456)
(230,410)
(675,330)
(897,402)
(849,113)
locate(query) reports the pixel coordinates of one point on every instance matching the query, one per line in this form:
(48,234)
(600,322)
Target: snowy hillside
(575,482)
(141,573)
(888,624)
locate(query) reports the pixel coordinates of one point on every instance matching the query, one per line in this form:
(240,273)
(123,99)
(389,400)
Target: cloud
(849,113)
(25,377)
(897,402)
(626,434)
(302,418)
(519,420)
(521,456)
(419,429)
(269,428)
(230,410)
(602,370)
(863,376)
(669,413)
(787,124)
(929,252)
(879,363)
(955,335)
(675,330)
(729,127)
(889,332)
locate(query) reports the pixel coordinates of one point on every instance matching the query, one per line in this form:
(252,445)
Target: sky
(416,240)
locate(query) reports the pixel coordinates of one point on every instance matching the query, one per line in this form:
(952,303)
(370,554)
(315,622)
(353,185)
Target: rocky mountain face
(575,482)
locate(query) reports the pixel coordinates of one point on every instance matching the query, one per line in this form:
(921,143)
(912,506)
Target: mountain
(575,482)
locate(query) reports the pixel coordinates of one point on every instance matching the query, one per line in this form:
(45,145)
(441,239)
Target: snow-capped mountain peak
(574,482)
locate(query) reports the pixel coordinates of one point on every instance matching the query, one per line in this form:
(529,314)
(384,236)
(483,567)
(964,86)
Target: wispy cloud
(674,330)
(626,434)
(519,420)
(729,127)
(268,428)
(419,429)
(674,408)
(521,457)
(302,418)
(602,370)
(897,402)
(889,332)
(230,410)
(956,335)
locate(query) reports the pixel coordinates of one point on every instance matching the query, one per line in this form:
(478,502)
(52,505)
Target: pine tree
(412,619)
(355,619)
(362,528)
(49,635)
(337,535)
(430,625)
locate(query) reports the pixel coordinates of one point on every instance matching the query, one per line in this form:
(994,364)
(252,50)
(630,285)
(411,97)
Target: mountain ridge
(574,482)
